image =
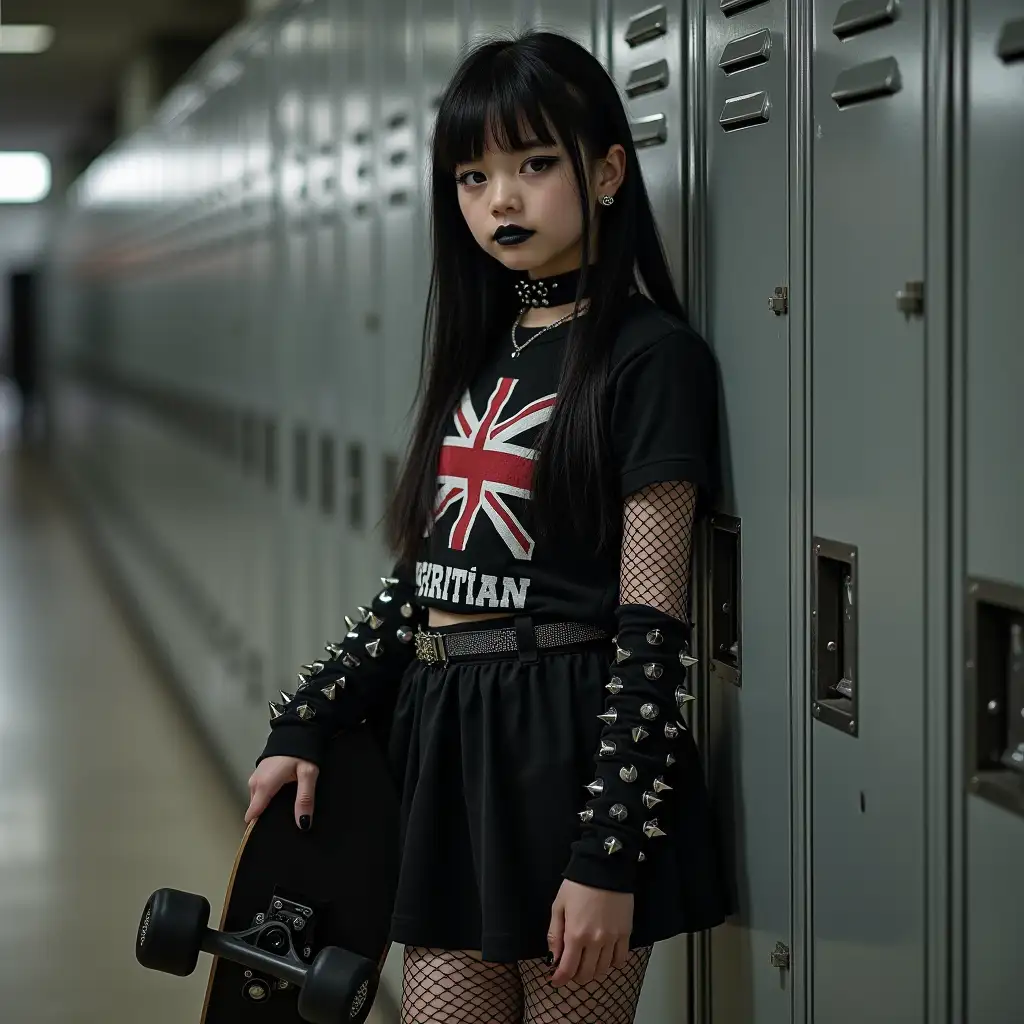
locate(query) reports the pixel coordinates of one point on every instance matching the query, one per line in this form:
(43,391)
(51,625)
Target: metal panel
(750,755)
(869,489)
(642,39)
(994,168)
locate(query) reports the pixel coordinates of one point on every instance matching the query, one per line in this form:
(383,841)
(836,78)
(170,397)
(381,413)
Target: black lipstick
(512,234)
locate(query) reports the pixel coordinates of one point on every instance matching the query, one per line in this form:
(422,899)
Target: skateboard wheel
(171,931)
(340,986)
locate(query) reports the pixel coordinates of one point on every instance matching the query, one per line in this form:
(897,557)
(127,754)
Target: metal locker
(357,330)
(866,780)
(646,49)
(991,700)
(738,279)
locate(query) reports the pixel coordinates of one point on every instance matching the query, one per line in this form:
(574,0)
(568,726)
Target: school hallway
(108,790)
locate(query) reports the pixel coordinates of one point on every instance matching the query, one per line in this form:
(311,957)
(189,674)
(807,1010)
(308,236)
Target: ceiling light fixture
(24,177)
(25,38)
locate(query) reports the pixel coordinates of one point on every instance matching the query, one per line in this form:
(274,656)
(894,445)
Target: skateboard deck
(340,877)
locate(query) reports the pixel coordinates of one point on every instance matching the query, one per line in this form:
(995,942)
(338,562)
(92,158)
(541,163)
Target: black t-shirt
(481,553)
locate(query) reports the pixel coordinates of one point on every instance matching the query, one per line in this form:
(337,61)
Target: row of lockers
(238,292)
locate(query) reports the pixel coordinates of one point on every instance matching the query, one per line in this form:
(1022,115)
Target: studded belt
(434,648)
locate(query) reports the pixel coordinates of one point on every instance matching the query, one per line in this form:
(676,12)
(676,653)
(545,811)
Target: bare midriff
(438,618)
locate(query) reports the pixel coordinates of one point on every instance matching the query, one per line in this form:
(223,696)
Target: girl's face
(523,207)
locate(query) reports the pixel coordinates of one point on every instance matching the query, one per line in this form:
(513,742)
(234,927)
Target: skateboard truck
(338,984)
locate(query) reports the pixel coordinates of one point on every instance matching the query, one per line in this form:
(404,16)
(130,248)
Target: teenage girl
(530,650)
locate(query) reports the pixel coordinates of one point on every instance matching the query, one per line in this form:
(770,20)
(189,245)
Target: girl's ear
(611,171)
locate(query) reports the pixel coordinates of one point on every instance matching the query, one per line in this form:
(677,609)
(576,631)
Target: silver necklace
(517,348)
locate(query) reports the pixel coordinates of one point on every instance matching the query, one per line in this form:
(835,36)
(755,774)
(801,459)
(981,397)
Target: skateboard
(307,915)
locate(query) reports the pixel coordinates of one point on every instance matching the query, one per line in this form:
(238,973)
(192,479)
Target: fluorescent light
(24,177)
(25,38)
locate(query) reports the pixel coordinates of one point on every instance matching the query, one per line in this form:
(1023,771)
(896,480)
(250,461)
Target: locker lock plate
(780,956)
(779,302)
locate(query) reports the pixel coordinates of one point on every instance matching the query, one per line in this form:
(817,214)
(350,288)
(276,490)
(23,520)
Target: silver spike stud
(350,622)
(609,716)
(389,581)
(313,668)
(375,621)
(614,685)
(660,785)
(287,697)
(349,660)
(649,711)
(612,845)
(686,660)
(641,857)
(651,829)
(639,733)
(618,812)
(683,696)
(669,760)
(607,748)
(330,691)
(650,799)
(595,788)
(628,774)
(407,611)
(375,649)
(305,712)
(655,637)
(334,650)
(587,815)
(671,730)
(303,682)
(364,612)
(404,634)
(276,711)
(653,670)
(352,634)
(621,655)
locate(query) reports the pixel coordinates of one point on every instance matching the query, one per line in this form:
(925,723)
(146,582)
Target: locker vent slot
(327,483)
(994,689)
(647,78)
(396,121)
(398,198)
(834,686)
(856,16)
(1011,42)
(746,52)
(301,464)
(649,131)
(731,7)
(867,82)
(647,25)
(745,111)
(356,493)
(391,468)
(270,453)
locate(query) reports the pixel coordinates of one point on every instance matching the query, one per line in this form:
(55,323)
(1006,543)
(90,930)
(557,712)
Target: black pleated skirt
(492,756)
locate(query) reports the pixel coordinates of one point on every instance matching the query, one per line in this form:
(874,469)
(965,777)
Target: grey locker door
(645,59)
(866,781)
(994,479)
(740,269)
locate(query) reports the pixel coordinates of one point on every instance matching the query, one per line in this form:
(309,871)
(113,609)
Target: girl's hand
(273,773)
(589,932)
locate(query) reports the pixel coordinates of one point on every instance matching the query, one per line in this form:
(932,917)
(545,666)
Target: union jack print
(480,467)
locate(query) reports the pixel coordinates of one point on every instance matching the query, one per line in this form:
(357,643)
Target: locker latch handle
(724,598)
(834,635)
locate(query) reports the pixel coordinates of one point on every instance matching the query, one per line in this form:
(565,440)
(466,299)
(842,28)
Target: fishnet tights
(657,542)
(444,986)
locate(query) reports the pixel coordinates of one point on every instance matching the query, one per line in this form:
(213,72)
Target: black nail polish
(549,959)
(304,822)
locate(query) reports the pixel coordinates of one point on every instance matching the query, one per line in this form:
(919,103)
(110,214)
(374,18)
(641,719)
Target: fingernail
(304,822)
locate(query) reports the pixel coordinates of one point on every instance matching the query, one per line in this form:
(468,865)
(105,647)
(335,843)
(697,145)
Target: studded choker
(556,290)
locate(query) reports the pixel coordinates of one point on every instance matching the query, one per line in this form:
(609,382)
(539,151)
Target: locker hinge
(779,302)
(780,956)
(910,299)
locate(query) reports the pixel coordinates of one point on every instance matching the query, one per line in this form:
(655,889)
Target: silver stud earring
(607,200)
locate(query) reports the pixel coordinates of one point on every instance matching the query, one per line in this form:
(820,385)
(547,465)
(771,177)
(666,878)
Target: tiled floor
(106,792)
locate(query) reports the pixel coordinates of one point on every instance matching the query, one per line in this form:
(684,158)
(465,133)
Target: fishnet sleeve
(630,809)
(657,544)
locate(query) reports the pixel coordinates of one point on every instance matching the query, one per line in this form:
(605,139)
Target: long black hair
(551,83)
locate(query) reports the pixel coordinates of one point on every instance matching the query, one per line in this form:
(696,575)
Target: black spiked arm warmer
(356,675)
(647,690)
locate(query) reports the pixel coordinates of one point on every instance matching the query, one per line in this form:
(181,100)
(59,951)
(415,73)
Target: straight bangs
(517,103)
